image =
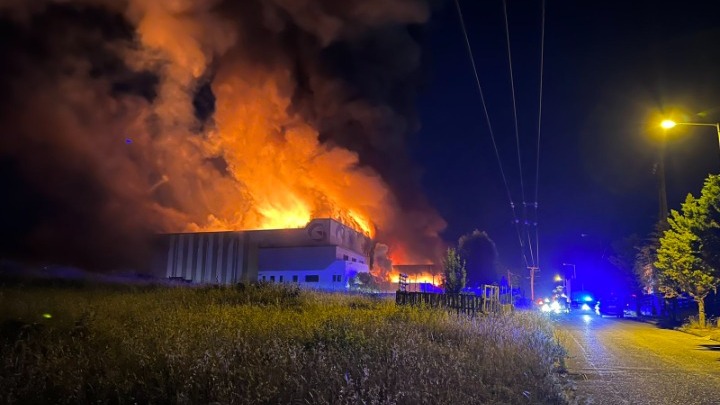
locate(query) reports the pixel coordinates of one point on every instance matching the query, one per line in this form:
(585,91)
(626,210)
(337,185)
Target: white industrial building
(324,255)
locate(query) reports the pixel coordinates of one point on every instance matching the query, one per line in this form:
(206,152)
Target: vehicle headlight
(545,308)
(585,307)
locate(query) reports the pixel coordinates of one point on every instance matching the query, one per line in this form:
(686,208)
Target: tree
(364,282)
(686,260)
(480,255)
(709,205)
(623,259)
(454,273)
(646,257)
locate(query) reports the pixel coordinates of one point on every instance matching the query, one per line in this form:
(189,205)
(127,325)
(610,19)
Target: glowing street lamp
(558,278)
(668,124)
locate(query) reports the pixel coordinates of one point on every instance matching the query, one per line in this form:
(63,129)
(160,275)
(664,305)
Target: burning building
(203,119)
(417,277)
(325,254)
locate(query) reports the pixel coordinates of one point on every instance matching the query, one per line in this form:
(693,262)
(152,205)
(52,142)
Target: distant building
(324,255)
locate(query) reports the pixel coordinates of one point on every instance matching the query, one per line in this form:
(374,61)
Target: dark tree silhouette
(480,255)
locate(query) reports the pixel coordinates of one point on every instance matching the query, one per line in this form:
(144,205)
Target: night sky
(391,82)
(612,69)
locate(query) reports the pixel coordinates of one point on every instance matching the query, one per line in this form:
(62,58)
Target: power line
(537,159)
(527,220)
(517,135)
(492,134)
(512,87)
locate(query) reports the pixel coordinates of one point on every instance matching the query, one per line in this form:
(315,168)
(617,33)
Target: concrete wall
(335,277)
(292,258)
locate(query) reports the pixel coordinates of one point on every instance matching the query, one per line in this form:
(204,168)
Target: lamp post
(668,124)
(568,281)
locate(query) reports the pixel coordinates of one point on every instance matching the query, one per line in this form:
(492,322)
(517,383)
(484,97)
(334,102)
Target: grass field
(263,345)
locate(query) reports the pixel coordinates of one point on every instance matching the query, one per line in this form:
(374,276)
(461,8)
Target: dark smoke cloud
(107,112)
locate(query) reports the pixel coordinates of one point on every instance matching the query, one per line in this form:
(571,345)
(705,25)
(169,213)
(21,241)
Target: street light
(568,280)
(668,124)
(573,266)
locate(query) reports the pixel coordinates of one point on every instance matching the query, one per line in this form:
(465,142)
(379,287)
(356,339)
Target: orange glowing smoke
(287,176)
(189,115)
(278,174)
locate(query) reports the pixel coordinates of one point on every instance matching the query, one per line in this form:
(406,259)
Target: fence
(488,302)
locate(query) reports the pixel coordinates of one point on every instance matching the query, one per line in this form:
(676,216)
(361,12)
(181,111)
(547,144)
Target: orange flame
(286,176)
(423,277)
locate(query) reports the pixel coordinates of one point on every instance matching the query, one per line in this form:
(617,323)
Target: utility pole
(662,191)
(532,269)
(568,281)
(510,285)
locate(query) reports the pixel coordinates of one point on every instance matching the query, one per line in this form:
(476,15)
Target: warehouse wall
(211,257)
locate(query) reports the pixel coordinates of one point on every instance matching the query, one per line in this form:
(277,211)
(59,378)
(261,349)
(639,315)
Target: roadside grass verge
(264,344)
(710,330)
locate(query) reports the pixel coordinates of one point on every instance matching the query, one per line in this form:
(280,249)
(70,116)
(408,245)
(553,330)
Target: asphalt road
(623,361)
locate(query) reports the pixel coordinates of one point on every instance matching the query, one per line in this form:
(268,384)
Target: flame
(229,116)
(423,277)
(397,254)
(284,176)
(295,216)
(278,172)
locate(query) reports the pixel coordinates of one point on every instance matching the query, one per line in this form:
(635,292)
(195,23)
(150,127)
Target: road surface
(623,361)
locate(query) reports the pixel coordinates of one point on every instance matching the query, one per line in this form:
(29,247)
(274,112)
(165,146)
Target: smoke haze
(125,118)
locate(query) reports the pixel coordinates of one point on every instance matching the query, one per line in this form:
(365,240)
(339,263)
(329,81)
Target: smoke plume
(121,119)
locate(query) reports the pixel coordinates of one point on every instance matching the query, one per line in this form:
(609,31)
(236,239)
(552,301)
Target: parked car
(583,303)
(612,306)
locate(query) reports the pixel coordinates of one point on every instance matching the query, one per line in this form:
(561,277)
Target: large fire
(287,176)
(417,278)
(305,115)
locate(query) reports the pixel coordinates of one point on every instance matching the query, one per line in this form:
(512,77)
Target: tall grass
(264,345)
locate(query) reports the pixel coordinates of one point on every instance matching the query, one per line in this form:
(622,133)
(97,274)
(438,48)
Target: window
(345,257)
(354,259)
(362,261)
(337,278)
(272,279)
(295,279)
(281,277)
(263,278)
(312,278)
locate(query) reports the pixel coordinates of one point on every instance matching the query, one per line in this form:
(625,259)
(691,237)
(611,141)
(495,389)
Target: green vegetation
(263,344)
(687,259)
(454,274)
(364,283)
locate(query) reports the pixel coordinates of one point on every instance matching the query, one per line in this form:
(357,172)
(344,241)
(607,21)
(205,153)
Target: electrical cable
(492,134)
(517,135)
(537,159)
